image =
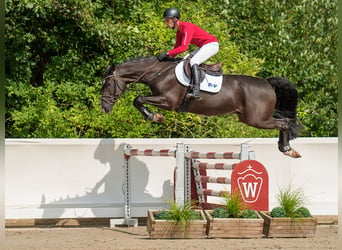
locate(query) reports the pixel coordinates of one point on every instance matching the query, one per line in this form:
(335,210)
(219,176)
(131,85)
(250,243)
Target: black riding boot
(196,74)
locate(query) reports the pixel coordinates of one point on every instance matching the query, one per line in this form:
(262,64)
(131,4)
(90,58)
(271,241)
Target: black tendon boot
(196,74)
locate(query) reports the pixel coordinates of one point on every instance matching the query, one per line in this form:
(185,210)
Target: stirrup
(193,95)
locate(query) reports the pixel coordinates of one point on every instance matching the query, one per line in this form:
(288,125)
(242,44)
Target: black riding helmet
(171,13)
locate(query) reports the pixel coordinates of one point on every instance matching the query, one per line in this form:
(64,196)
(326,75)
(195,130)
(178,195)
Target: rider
(188,33)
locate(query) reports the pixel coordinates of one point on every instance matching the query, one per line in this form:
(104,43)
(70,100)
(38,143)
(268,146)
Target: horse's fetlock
(283,148)
(147,113)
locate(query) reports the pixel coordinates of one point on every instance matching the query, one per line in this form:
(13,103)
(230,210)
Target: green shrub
(249,214)
(303,212)
(220,212)
(162,215)
(278,212)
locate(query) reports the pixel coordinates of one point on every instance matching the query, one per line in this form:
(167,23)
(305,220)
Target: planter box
(233,228)
(168,229)
(288,227)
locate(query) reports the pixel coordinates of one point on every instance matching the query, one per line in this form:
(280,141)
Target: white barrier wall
(72,178)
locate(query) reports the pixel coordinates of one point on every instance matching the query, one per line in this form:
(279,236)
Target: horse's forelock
(109,69)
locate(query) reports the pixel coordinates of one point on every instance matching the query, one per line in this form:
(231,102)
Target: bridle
(113,99)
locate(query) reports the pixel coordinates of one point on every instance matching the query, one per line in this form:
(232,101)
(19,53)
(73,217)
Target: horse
(263,103)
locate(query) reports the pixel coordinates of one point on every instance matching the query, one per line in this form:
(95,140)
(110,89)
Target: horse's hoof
(292,153)
(158,118)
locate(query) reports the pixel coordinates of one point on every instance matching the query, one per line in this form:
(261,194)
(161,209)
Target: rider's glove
(162,56)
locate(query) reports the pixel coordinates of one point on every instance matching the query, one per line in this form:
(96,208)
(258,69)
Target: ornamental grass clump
(290,218)
(234,207)
(179,213)
(178,219)
(291,204)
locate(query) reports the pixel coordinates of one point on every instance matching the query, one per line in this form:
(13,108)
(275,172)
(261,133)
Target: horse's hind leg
(284,145)
(282,124)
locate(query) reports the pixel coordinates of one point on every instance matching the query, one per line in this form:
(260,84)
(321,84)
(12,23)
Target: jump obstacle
(187,160)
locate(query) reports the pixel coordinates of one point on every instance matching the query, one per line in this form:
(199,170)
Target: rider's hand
(162,56)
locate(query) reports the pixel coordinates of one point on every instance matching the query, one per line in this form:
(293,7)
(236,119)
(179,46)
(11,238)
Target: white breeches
(202,54)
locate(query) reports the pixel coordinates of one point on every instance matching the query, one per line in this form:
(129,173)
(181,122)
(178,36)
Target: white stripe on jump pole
(212,155)
(209,179)
(205,165)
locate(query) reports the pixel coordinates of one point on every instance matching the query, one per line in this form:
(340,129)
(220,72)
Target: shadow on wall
(108,192)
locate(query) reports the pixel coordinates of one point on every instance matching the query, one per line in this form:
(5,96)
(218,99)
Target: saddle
(210,69)
(211,79)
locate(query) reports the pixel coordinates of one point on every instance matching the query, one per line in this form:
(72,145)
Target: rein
(143,74)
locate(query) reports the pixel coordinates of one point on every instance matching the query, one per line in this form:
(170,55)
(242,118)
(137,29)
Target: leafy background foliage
(57,51)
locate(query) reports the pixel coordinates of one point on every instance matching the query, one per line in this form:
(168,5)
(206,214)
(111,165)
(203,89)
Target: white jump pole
(180,175)
(127,220)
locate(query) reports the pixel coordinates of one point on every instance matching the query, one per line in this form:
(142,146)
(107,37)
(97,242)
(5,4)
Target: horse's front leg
(156,101)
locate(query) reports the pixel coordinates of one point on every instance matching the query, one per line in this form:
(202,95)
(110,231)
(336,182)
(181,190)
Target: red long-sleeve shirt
(190,33)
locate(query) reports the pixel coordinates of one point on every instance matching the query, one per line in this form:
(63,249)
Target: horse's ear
(109,69)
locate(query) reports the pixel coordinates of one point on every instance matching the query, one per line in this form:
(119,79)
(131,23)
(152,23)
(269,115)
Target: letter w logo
(250,189)
(250,186)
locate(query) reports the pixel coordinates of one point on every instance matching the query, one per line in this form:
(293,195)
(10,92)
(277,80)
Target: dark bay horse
(261,103)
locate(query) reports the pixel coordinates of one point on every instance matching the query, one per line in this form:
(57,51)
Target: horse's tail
(286,105)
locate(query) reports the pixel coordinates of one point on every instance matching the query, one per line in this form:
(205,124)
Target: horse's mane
(139,59)
(143,58)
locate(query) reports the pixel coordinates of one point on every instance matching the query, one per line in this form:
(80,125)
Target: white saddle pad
(210,83)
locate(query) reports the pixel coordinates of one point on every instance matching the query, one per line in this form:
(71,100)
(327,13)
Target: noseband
(109,99)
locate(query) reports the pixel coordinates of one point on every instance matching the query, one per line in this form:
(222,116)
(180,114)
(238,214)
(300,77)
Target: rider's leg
(200,56)
(204,53)
(196,75)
